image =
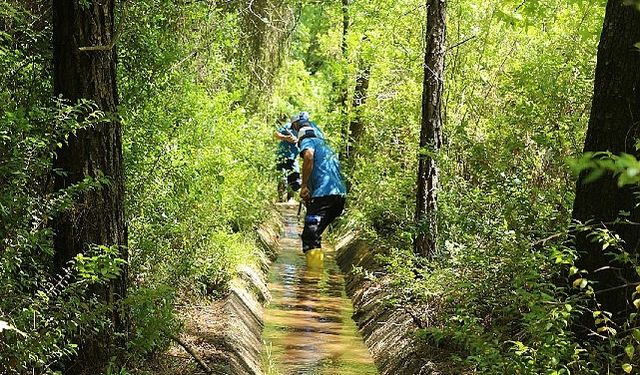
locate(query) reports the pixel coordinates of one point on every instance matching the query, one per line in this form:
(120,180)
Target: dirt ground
(203,332)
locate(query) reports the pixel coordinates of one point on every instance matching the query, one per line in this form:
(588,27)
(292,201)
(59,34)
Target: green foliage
(626,167)
(199,176)
(198,158)
(618,342)
(55,312)
(43,313)
(517,97)
(100,264)
(152,310)
(200,84)
(198,163)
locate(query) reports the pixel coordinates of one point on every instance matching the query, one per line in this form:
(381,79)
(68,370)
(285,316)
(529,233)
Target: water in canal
(308,328)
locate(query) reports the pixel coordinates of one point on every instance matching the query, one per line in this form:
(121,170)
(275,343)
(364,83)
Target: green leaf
(580,283)
(636,334)
(593,176)
(627,368)
(630,350)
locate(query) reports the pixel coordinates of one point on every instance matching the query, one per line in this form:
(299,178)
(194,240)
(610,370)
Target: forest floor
(203,332)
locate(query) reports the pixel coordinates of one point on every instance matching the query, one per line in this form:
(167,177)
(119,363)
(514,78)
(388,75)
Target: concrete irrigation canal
(308,325)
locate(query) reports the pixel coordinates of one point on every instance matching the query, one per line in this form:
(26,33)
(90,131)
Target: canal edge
(387,332)
(243,308)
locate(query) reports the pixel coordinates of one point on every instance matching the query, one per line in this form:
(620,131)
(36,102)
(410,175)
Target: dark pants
(321,212)
(287,166)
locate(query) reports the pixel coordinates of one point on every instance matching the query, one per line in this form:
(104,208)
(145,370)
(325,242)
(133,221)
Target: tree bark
(344,89)
(268,25)
(431,130)
(97,216)
(613,126)
(356,126)
(345,27)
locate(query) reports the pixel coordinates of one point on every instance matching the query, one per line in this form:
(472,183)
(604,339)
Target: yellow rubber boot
(315,259)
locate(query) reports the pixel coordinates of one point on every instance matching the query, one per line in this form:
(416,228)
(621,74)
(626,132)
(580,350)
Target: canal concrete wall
(387,331)
(243,309)
(225,335)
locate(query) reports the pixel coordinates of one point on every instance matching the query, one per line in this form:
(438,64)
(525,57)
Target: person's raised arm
(307,168)
(288,138)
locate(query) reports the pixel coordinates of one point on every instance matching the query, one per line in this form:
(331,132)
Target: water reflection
(308,321)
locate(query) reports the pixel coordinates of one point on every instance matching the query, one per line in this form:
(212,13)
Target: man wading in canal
(323,188)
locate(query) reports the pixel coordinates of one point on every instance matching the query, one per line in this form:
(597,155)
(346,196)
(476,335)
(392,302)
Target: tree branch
(191,351)
(115,37)
(461,43)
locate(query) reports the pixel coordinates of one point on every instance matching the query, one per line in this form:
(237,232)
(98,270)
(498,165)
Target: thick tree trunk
(97,216)
(431,131)
(613,127)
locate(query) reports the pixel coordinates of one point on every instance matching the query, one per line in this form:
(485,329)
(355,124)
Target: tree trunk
(344,89)
(613,127)
(356,127)
(97,216)
(267,25)
(345,26)
(431,131)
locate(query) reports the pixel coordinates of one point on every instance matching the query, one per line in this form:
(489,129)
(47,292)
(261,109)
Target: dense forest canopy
(135,172)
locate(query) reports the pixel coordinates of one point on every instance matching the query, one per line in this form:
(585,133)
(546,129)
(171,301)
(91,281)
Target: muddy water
(308,326)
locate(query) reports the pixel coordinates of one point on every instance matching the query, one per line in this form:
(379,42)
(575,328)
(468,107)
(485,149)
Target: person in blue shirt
(287,162)
(323,189)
